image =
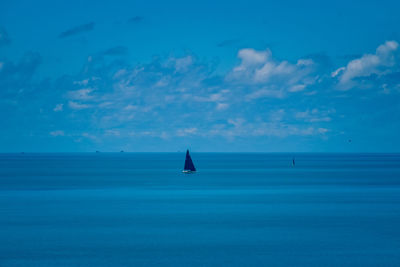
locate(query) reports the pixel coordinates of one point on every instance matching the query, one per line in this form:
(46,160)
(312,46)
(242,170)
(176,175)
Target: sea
(238,209)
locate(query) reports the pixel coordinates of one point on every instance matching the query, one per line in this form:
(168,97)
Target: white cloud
(164,81)
(187,131)
(282,130)
(90,136)
(305,62)
(107,104)
(297,88)
(337,72)
(222,106)
(83,82)
(130,107)
(58,107)
(162,134)
(82,94)
(263,93)
(210,98)
(75,105)
(120,73)
(323,130)
(259,68)
(252,57)
(57,133)
(241,128)
(272,70)
(314,115)
(182,64)
(378,63)
(112,133)
(277,115)
(148,99)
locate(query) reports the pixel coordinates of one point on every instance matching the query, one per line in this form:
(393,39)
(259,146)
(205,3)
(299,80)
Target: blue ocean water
(138,209)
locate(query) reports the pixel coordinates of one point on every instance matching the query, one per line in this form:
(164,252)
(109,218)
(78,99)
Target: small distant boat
(189,166)
(293,162)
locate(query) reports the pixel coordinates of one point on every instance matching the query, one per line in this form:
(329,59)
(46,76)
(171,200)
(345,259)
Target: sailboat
(189,166)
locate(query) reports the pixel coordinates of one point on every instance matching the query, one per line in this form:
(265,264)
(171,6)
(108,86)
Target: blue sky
(273,76)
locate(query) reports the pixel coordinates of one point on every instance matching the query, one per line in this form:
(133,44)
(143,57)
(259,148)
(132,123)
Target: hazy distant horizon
(203,152)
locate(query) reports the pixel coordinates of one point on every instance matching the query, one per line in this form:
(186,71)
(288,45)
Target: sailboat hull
(188,171)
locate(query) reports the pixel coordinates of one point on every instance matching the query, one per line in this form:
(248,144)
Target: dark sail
(189,163)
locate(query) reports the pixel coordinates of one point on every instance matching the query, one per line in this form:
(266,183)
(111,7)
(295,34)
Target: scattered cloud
(258,68)
(92,137)
(173,97)
(277,115)
(265,93)
(315,115)
(83,82)
(183,63)
(57,133)
(337,72)
(323,130)
(242,128)
(222,106)
(297,88)
(187,131)
(112,132)
(209,98)
(77,106)
(131,107)
(251,58)
(58,107)
(380,63)
(77,30)
(81,94)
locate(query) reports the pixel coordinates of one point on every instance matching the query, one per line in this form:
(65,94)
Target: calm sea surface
(138,209)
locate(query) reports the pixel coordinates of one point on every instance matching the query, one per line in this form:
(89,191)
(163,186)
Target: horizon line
(194,151)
